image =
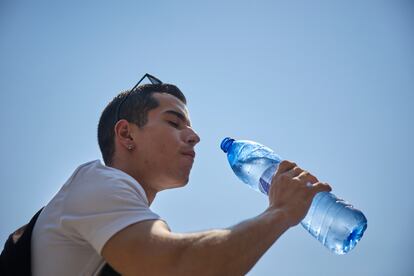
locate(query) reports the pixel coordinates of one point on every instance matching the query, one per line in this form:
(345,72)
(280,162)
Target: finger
(284,166)
(320,187)
(294,172)
(307,177)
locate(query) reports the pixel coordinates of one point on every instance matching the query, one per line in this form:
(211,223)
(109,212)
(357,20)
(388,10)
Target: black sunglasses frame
(151,78)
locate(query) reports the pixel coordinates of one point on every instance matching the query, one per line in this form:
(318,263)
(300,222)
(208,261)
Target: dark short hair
(134,109)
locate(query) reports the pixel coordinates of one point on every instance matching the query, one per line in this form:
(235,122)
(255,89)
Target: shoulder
(96,202)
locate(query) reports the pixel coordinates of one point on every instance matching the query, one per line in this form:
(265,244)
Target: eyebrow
(179,115)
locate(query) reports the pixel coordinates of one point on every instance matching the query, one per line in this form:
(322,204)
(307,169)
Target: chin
(178,183)
(182,183)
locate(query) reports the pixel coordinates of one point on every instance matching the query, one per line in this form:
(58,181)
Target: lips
(190,153)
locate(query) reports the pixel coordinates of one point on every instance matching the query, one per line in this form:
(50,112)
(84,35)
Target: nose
(192,138)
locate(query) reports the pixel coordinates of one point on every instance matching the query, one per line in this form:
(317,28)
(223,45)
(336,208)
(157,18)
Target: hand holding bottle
(331,220)
(292,190)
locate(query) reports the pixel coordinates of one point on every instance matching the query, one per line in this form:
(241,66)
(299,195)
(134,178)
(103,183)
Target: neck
(150,194)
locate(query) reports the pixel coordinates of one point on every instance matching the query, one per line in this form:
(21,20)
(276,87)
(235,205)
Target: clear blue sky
(328,84)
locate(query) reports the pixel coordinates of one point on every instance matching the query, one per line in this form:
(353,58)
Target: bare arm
(149,248)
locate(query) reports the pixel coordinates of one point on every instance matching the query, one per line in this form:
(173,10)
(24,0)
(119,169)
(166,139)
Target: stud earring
(130,147)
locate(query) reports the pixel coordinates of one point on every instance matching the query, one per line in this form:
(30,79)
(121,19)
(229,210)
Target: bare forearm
(231,251)
(149,247)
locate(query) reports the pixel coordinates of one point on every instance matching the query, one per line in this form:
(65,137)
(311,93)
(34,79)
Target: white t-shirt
(95,203)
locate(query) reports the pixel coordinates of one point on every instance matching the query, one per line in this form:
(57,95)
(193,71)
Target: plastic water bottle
(332,221)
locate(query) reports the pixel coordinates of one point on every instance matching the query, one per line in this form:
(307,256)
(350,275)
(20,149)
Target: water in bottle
(332,221)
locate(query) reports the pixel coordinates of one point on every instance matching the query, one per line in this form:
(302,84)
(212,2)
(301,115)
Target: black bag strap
(107,270)
(15,257)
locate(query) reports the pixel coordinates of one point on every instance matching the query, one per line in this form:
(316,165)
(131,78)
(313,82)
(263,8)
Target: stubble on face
(161,146)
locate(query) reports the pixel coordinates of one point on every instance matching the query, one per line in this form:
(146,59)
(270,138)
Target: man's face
(165,144)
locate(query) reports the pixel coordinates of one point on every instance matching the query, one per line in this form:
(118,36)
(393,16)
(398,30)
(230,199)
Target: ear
(123,131)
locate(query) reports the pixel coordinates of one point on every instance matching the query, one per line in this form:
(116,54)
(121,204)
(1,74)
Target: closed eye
(173,124)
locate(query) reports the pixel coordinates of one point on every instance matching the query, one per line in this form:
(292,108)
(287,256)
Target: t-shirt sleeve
(94,213)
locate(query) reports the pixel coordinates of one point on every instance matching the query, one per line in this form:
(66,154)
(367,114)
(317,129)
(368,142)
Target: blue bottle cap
(226,143)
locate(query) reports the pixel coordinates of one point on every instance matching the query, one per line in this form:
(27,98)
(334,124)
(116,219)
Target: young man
(101,215)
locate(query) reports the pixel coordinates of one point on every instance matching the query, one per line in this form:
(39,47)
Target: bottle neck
(226,144)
